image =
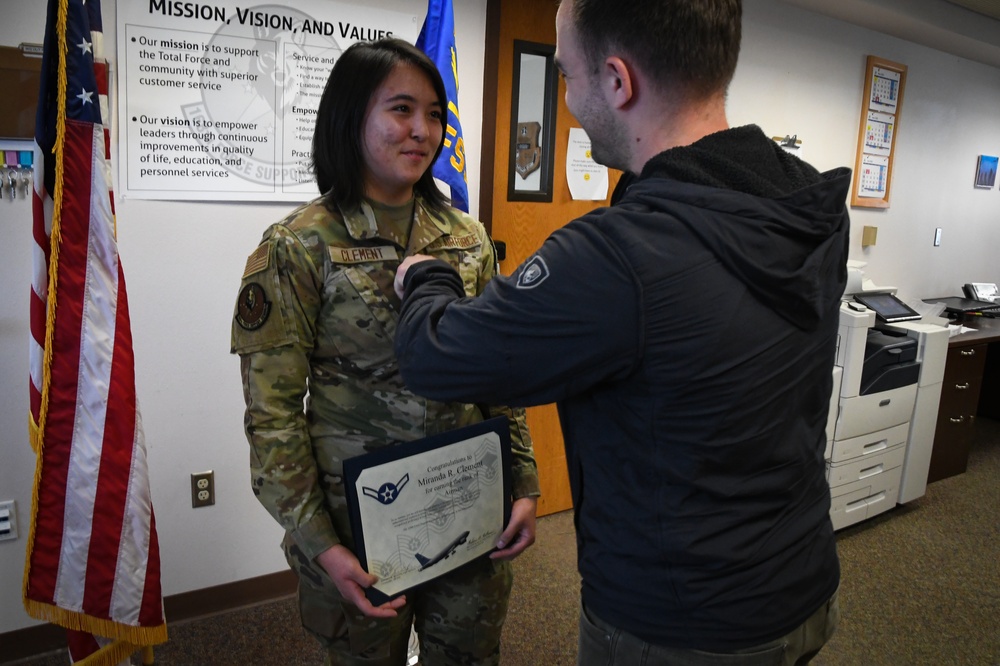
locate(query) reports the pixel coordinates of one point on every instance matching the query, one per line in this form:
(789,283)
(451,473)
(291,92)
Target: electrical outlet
(202,489)
(8,520)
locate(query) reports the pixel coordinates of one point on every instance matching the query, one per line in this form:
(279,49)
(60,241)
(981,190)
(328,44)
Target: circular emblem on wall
(252,307)
(267,72)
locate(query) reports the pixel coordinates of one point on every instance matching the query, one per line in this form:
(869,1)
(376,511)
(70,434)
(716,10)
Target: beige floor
(920,586)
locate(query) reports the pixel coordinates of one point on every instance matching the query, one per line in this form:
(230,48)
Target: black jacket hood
(773,220)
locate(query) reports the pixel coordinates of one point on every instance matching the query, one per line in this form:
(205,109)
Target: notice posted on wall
(218,102)
(587,179)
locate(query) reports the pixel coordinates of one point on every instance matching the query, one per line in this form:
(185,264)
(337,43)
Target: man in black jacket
(687,334)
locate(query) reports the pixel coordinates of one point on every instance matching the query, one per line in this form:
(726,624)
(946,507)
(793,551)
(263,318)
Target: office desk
(971,388)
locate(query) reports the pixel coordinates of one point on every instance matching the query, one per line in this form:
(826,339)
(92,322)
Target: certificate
(423,508)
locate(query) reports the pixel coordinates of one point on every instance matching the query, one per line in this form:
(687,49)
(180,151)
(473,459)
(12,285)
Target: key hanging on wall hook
(27,176)
(16,173)
(12,183)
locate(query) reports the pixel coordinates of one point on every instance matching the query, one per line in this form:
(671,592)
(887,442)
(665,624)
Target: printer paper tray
(877,411)
(869,444)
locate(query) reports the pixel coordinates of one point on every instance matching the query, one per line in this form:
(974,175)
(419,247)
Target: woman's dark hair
(338,160)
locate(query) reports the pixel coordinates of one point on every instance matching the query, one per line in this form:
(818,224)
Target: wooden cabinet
(963,378)
(989,399)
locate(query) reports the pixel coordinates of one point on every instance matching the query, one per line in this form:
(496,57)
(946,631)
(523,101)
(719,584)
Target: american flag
(93,562)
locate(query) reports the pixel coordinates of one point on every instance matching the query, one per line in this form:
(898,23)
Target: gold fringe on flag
(37,431)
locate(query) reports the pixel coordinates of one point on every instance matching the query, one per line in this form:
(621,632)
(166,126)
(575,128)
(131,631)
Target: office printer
(890,361)
(887,386)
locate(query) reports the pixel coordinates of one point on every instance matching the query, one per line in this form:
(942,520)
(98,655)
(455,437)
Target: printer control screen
(888,307)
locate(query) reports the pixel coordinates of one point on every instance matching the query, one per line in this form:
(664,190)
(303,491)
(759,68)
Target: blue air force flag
(437,40)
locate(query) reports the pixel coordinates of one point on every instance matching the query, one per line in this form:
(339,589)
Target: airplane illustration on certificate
(444,554)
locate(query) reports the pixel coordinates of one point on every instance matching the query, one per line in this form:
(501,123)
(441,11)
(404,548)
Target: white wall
(800,73)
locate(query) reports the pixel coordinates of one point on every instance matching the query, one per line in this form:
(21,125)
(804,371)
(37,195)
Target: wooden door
(524,226)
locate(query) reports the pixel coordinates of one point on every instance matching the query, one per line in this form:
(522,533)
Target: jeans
(604,645)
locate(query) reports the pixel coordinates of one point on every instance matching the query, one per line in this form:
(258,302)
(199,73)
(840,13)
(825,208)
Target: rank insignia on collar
(252,307)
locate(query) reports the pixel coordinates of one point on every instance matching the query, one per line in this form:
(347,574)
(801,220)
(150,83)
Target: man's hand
(346,573)
(397,284)
(520,532)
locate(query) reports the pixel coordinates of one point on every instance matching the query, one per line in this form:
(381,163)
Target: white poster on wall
(218,102)
(587,179)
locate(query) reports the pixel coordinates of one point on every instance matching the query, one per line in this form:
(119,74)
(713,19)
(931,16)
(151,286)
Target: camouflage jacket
(313,326)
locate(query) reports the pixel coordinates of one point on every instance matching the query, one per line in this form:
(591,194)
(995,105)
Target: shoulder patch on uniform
(362,255)
(257,261)
(252,308)
(533,274)
(463,242)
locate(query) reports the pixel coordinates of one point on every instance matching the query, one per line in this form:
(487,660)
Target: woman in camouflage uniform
(314,326)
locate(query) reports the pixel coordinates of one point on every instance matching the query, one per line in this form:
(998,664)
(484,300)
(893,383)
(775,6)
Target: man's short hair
(337,159)
(693,44)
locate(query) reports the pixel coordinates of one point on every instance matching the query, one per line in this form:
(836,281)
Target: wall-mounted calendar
(880,109)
